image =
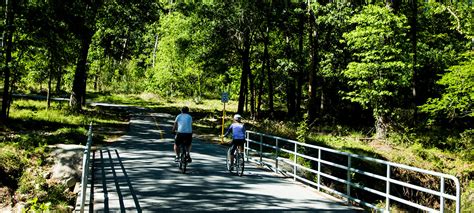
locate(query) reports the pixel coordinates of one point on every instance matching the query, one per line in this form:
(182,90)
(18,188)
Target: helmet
(237,117)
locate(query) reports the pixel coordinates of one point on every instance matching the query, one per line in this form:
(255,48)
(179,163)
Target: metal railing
(271,150)
(85,168)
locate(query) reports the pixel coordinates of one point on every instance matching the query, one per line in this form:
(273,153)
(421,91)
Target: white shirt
(184,122)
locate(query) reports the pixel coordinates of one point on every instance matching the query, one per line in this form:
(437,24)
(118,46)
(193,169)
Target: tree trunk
(262,75)
(50,81)
(154,51)
(381,126)
(290,98)
(78,87)
(299,82)
(245,70)
(58,80)
(260,92)
(269,77)
(312,79)
(252,94)
(290,84)
(414,44)
(7,35)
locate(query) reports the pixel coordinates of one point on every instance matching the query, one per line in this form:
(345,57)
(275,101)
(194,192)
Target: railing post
(85,168)
(348,186)
(277,154)
(295,161)
(261,149)
(319,169)
(387,190)
(246,149)
(458,195)
(441,200)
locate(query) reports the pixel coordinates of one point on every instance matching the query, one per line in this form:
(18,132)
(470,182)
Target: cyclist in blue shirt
(183,126)
(238,135)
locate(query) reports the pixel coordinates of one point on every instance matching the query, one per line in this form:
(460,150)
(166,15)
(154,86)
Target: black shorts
(185,138)
(235,143)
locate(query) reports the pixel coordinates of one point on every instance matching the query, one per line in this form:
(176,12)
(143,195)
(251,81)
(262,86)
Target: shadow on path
(137,173)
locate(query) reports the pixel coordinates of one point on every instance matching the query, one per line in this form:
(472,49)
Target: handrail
(85,168)
(388,196)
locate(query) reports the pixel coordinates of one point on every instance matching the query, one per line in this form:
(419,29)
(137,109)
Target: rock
(77,188)
(70,182)
(6,209)
(68,163)
(47,175)
(19,207)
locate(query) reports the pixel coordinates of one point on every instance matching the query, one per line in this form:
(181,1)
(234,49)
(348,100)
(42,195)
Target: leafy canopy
(379,69)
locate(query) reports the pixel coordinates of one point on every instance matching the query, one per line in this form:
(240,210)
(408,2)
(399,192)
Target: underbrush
(25,158)
(25,172)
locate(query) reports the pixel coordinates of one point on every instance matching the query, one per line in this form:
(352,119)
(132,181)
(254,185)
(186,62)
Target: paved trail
(137,173)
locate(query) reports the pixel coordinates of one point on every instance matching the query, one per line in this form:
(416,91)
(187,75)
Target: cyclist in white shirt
(183,126)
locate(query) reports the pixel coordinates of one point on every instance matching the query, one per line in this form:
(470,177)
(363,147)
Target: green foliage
(179,57)
(303,129)
(457,100)
(34,206)
(11,164)
(380,69)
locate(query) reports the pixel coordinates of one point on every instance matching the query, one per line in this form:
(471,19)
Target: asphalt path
(137,173)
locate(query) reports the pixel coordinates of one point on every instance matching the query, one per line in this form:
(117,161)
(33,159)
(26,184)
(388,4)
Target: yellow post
(223,119)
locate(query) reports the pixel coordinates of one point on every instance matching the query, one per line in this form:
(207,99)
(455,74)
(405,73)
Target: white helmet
(237,117)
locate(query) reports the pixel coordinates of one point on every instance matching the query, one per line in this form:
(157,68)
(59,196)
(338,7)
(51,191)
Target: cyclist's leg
(177,143)
(232,152)
(189,140)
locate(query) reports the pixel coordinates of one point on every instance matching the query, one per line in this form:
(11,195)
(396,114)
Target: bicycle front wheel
(227,161)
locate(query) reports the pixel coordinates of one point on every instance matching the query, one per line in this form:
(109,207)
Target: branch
(458,28)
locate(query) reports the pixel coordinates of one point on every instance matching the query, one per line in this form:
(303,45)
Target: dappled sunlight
(142,174)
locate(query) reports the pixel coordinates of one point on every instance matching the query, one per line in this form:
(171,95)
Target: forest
(400,72)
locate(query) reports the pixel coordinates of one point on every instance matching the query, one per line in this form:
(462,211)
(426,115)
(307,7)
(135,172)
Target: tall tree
(7,37)
(314,66)
(380,71)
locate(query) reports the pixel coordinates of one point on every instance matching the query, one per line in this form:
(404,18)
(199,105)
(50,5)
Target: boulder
(67,163)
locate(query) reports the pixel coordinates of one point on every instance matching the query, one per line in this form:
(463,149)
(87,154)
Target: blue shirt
(238,131)
(185,123)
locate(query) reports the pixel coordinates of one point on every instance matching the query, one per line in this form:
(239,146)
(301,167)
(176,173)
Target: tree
(457,100)
(379,72)
(7,36)
(82,19)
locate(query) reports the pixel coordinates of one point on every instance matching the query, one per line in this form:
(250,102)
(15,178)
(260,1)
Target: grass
(24,151)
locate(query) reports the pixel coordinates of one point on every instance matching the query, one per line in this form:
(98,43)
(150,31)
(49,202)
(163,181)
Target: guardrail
(271,151)
(85,168)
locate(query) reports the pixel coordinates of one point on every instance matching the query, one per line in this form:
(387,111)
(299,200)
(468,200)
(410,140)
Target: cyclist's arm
(228,131)
(175,125)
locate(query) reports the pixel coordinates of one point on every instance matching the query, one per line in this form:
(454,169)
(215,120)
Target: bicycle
(239,162)
(183,158)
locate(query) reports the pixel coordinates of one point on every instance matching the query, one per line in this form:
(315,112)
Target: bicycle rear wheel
(183,161)
(239,163)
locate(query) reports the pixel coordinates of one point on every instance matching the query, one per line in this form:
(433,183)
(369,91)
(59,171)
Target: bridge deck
(137,174)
